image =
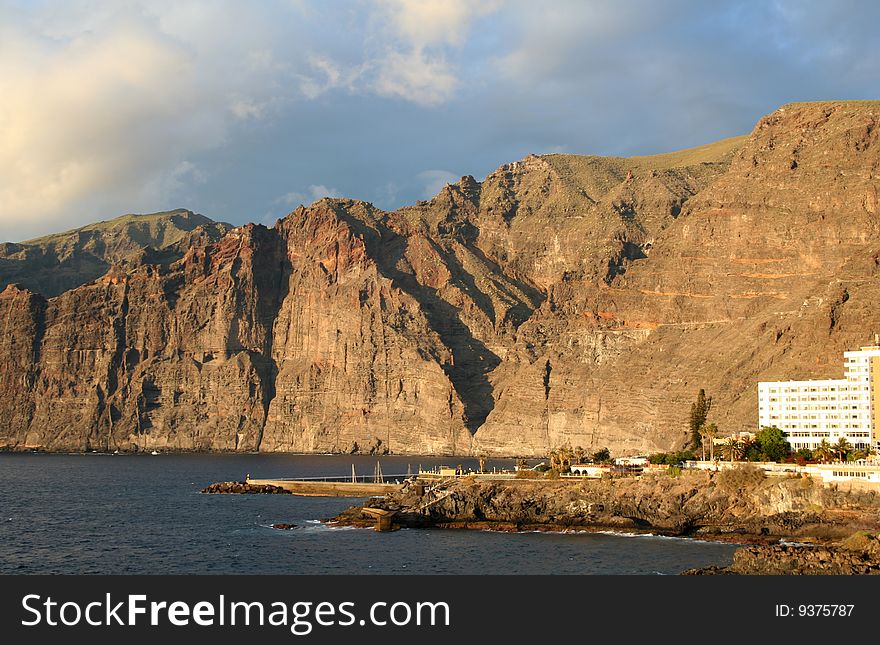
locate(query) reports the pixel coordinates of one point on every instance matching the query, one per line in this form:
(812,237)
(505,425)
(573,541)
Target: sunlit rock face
(565,300)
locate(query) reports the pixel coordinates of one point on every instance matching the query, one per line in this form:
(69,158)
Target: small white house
(589,470)
(631,461)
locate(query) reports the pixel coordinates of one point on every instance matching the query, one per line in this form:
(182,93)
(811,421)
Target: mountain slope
(56,263)
(564,300)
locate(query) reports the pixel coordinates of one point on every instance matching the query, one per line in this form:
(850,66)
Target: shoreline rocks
(243,488)
(857,555)
(758,512)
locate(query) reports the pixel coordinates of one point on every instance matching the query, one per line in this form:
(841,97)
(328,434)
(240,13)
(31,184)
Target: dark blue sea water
(142,514)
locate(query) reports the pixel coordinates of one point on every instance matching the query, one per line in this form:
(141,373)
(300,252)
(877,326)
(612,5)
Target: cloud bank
(222,106)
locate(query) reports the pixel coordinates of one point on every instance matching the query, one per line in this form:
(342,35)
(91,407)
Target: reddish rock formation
(564,300)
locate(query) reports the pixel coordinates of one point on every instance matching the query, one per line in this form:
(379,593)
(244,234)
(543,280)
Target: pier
(373,485)
(376,484)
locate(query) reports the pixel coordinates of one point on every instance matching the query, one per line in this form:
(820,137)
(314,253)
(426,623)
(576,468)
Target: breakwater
(304,487)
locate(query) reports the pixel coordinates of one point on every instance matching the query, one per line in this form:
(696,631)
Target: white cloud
(415,76)
(103,104)
(109,107)
(312,194)
(387,196)
(423,23)
(411,67)
(180,177)
(406,49)
(435,180)
(288,201)
(324,75)
(561,35)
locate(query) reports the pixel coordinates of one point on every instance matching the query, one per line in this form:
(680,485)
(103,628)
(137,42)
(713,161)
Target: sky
(242,111)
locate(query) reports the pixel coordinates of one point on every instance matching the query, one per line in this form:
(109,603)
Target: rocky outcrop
(730,505)
(857,555)
(246,488)
(564,300)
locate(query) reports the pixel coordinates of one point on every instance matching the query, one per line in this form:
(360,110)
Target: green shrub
(772,444)
(671,458)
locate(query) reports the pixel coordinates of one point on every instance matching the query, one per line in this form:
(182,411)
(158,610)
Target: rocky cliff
(564,300)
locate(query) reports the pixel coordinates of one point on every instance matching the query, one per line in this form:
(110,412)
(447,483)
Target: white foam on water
(689,540)
(318,525)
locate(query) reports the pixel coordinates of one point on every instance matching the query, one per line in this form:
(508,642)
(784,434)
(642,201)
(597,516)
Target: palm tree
(708,431)
(856,455)
(842,448)
(747,443)
(823,452)
(734,449)
(560,459)
(564,459)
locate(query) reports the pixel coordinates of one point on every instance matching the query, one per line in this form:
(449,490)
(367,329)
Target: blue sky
(241,111)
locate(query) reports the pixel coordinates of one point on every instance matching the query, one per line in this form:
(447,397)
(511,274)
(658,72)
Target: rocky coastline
(859,554)
(790,525)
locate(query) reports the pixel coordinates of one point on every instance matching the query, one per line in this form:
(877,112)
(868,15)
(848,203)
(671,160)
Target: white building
(590,470)
(631,461)
(809,412)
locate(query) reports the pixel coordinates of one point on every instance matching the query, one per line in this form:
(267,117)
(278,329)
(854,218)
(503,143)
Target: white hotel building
(810,411)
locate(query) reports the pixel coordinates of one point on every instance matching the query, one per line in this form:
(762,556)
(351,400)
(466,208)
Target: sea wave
(655,536)
(319,525)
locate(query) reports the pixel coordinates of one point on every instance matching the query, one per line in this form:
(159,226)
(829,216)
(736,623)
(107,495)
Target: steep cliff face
(359,365)
(564,300)
(767,271)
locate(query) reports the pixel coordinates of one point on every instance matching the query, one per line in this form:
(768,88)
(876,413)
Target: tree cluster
(561,459)
(825,452)
(671,458)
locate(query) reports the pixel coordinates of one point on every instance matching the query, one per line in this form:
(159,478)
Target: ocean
(144,514)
